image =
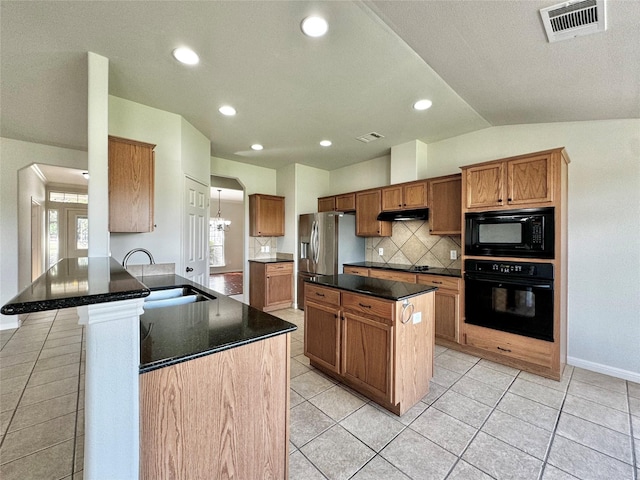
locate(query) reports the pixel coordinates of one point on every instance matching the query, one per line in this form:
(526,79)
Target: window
(65,197)
(53,236)
(216,242)
(82,233)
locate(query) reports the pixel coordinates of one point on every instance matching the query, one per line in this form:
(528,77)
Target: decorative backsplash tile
(256,245)
(412,244)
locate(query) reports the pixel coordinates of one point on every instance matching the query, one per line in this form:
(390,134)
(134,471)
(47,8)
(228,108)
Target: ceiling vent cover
(369,137)
(573,19)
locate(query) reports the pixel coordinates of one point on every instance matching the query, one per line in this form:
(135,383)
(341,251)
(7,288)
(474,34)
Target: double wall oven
(513,295)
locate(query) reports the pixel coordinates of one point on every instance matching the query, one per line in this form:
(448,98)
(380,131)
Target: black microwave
(525,233)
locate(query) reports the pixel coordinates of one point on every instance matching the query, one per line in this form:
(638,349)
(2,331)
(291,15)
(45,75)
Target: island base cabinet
(221,416)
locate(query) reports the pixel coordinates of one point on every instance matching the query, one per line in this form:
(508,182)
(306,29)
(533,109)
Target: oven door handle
(521,283)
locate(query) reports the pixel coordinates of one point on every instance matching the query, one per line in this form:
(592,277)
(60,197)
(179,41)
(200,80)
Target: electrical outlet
(381,251)
(262,249)
(266,248)
(453,254)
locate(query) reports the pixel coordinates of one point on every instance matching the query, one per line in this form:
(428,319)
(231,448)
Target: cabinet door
(391,198)
(447,308)
(367,349)
(326,204)
(445,206)
(529,180)
(279,288)
(346,202)
(322,334)
(485,185)
(131,185)
(368,205)
(266,216)
(415,195)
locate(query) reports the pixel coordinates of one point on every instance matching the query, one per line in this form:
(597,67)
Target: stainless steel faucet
(131,252)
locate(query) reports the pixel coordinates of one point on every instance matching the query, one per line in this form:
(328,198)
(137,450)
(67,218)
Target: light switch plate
(381,251)
(453,254)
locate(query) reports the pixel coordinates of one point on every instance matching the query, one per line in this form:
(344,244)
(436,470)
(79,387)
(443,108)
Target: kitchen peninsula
(217,364)
(377,336)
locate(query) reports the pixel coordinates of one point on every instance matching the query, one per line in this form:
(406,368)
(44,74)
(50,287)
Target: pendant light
(221,224)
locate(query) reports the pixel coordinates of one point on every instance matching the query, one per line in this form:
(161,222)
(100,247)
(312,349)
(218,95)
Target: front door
(77,232)
(196,232)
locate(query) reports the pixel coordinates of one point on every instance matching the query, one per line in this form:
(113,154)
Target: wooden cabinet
(368,206)
(405,196)
(518,182)
(266,215)
(447,305)
(210,416)
(445,205)
(327,204)
(362,271)
(346,202)
(131,185)
(270,285)
(372,344)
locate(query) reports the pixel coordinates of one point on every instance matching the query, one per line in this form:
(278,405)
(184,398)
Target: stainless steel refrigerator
(326,241)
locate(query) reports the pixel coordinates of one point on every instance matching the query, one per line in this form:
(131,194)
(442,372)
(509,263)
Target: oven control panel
(519,269)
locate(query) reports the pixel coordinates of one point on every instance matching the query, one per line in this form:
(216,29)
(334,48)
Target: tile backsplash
(412,244)
(257,244)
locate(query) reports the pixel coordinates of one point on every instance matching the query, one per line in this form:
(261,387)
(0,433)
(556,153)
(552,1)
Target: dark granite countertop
(375,287)
(448,272)
(176,334)
(73,282)
(271,260)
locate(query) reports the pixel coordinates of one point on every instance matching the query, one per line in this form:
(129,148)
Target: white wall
(30,186)
(138,122)
(604,227)
(234,238)
(195,153)
(363,175)
(286,187)
(16,155)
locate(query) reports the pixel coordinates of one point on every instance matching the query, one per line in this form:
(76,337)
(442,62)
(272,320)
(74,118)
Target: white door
(196,232)
(77,232)
(36,240)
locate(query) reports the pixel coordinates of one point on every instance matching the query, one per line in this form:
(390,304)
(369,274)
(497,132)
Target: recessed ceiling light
(227,110)
(314,26)
(422,104)
(256,146)
(186,55)
(325,143)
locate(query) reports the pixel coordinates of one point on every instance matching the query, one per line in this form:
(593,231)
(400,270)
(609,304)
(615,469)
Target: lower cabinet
(270,285)
(447,305)
(363,341)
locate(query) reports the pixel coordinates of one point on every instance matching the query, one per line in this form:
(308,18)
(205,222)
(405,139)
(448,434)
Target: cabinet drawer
(515,346)
(450,283)
(393,275)
(321,294)
(363,272)
(279,267)
(366,305)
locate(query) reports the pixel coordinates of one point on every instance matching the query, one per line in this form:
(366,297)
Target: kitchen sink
(168,297)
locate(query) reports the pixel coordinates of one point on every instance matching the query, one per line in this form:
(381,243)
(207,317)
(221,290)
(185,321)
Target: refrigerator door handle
(315,242)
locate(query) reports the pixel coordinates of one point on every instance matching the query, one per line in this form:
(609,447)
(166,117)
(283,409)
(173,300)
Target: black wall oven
(527,233)
(514,297)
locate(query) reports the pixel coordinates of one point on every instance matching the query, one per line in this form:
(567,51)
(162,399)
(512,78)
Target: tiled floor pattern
(480,420)
(227,283)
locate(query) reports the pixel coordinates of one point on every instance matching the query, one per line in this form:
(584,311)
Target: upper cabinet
(266,215)
(405,196)
(445,205)
(368,206)
(337,203)
(327,204)
(525,180)
(131,185)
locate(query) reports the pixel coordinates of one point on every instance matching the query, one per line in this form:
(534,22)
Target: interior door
(195,232)
(77,232)
(36,240)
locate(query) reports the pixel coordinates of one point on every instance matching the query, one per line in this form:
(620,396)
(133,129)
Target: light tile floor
(480,420)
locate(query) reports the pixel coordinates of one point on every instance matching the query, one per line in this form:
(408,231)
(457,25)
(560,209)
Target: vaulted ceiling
(482,63)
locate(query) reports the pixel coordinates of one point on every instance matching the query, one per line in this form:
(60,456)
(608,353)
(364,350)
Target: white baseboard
(9,321)
(605,369)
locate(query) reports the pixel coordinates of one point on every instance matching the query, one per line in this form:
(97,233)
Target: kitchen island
(377,336)
(218,364)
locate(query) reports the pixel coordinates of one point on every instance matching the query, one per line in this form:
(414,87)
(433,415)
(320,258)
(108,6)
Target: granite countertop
(448,272)
(375,287)
(176,334)
(271,260)
(73,282)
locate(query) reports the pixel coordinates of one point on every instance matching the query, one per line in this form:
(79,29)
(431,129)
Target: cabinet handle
(320,294)
(499,200)
(364,306)
(436,282)
(503,349)
(508,199)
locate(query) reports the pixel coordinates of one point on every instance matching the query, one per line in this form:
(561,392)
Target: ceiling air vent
(574,19)
(369,137)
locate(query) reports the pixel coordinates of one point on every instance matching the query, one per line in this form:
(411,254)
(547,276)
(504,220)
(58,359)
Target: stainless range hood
(403,215)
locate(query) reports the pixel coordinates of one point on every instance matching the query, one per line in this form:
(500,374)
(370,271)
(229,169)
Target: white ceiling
(481,62)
